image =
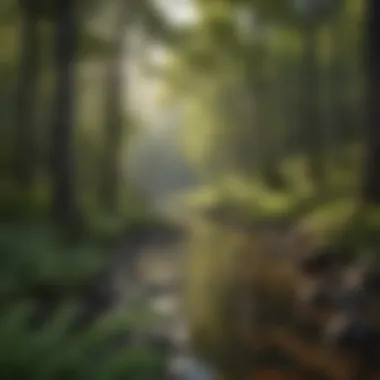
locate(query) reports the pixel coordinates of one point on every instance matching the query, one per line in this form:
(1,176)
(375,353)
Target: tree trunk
(113,132)
(268,157)
(64,204)
(311,126)
(371,186)
(341,120)
(24,142)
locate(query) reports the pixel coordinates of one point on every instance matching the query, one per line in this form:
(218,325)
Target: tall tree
(313,135)
(371,188)
(338,83)
(25,134)
(113,133)
(64,203)
(268,122)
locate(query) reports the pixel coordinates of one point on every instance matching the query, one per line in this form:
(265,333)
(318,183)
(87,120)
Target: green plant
(37,265)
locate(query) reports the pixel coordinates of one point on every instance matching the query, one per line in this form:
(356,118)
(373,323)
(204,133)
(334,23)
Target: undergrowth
(43,281)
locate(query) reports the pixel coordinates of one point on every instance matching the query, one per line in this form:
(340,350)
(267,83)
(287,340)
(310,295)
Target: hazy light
(181,12)
(143,89)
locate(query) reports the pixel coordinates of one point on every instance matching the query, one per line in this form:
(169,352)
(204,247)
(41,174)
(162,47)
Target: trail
(159,270)
(157,282)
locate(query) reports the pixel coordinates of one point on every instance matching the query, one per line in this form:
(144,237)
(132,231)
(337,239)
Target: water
(190,368)
(157,285)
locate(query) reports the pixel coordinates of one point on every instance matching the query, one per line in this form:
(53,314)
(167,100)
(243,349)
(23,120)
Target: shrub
(38,268)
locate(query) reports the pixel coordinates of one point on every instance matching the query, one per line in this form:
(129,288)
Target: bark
(371,185)
(313,135)
(25,129)
(64,204)
(113,133)
(341,117)
(268,155)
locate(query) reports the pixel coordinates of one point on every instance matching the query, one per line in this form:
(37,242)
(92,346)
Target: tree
(267,121)
(25,131)
(64,203)
(129,15)
(113,132)
(312,131)
(338,83)
(371,186)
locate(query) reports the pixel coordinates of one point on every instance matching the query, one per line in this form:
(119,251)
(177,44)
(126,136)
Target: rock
(322,261)
(165,305)
(355,336)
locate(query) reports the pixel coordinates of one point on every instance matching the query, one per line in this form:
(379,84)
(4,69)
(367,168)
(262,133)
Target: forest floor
(157,284)
(159,270)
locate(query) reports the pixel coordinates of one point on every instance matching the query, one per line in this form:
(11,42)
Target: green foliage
(134,212)
(258,69)
(362,231)
(35,258)
(151,17)
(18,204)
(36,255)
(54,352)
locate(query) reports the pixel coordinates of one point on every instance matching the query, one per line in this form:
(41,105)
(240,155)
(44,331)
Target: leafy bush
(55,352)
(36,265)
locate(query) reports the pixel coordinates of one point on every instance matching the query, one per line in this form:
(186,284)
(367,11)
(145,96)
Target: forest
(189,189)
